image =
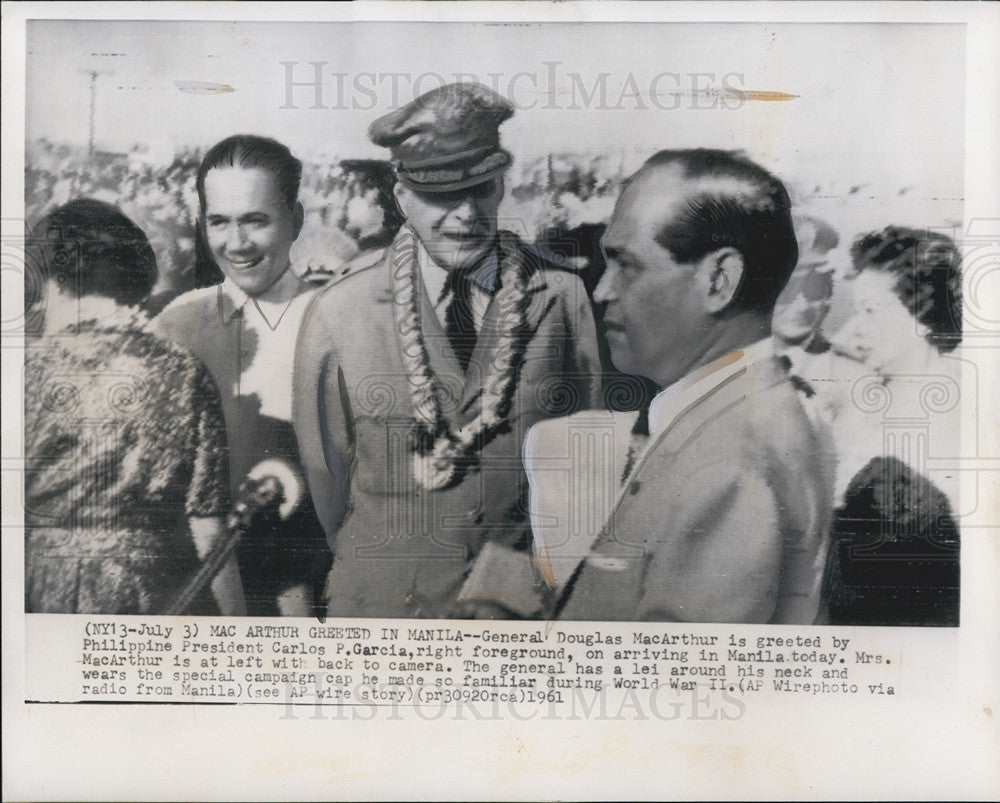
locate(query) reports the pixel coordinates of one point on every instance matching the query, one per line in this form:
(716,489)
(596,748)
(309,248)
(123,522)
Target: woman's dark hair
(928,272)
(249,150)
(753,214)
(92,248)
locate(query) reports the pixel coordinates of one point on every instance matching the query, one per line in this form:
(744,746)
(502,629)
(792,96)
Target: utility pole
(93,97)
(93,105)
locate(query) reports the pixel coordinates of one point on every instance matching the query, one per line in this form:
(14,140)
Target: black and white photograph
(330,367)
(415,332)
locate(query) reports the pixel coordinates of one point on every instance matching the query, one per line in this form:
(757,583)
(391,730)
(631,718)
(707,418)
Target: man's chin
(254,282)
(252,286)
(623,365)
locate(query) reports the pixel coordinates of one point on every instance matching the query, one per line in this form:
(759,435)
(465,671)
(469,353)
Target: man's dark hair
(249,150)
(92,248)
(754,217)
(928,272)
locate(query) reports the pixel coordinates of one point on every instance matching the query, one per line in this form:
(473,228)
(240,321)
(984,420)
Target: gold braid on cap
(442,176)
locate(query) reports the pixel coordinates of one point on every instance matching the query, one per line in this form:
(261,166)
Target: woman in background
(887,387)
(896,533)
(126,479)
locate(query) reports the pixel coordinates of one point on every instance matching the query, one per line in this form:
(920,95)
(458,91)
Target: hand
(257,500)
(289,479)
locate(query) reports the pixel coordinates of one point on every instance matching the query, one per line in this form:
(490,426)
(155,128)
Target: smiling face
(655,315)
(457,228)
(248,226)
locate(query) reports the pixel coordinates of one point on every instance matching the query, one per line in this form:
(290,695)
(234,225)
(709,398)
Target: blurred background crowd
(560,201)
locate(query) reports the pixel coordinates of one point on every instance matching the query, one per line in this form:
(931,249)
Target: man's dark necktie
(460,324)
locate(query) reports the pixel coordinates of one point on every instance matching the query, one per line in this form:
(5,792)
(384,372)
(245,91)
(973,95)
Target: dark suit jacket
(401,550)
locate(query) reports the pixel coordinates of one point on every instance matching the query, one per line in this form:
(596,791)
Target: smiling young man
(722,495)
(244,330)
(417,374)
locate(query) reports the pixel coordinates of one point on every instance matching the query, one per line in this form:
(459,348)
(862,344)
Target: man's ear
(721,274)
(298,218)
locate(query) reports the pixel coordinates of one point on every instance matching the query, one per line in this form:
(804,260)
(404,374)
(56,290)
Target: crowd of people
(673,409)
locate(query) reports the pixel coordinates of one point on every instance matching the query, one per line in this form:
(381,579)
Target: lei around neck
(443,455)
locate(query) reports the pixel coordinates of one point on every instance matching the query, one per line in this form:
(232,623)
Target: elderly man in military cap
(420,368)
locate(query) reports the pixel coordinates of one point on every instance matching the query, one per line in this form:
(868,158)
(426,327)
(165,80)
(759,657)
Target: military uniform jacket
(403,550)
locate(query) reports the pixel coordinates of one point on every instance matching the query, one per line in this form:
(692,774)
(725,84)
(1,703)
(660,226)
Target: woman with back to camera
(126,479)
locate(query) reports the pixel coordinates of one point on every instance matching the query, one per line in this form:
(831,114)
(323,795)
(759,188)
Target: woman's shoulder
(164,370)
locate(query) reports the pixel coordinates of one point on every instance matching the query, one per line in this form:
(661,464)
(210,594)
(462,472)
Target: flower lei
(441,456)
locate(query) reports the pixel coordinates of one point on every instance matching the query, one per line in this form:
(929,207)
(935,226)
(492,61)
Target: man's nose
(466,210)
(235,238)
(604,292)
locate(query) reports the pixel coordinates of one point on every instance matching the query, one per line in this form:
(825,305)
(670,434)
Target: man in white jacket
(713,504)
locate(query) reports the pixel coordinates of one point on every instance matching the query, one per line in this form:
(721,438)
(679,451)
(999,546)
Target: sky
(877,108)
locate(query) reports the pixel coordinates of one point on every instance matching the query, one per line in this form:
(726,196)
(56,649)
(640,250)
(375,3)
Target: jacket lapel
(697,415)
(704,412)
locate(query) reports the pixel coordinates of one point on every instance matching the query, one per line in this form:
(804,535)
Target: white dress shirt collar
(271,305)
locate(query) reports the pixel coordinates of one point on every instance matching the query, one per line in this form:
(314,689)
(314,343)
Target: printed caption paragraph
(708,672)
